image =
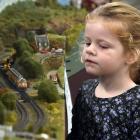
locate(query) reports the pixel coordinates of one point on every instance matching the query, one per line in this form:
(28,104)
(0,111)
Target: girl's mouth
(90,61)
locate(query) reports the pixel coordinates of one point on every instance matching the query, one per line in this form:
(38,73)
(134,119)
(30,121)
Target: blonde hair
(123,20)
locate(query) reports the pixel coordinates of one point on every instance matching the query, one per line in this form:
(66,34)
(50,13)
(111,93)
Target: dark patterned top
(116,118)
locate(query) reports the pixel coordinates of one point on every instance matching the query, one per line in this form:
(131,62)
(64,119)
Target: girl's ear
(132,56)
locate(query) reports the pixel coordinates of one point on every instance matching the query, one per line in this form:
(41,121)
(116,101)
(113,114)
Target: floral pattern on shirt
(116,118)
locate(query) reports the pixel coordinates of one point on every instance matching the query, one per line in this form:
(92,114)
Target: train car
(15,77)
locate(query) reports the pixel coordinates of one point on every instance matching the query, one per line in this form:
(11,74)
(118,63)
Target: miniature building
(53,76)
(57,52)
(42,42)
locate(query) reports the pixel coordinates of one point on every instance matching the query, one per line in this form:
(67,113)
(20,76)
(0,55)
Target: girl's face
(103,53)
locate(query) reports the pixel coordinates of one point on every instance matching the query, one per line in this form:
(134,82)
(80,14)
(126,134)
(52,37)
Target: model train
(16,78)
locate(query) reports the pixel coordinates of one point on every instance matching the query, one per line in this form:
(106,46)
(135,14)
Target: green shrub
(9,100)
(22,45)
(2,113)
(47,91)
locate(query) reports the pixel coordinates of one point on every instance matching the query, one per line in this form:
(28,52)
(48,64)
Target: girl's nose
(91,49)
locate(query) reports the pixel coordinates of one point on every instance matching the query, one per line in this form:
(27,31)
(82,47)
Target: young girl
(108,108)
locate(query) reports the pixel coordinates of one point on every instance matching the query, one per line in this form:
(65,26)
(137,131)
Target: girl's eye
(88,44)
(103,46)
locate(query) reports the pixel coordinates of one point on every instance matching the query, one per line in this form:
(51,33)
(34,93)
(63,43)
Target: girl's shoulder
(134,91)
(85,91)
(88,86)
(132,96)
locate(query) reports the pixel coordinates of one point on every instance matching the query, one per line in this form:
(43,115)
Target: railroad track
(40,117)
(24,116)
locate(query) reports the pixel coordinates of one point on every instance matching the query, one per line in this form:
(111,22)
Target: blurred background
(37,38)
